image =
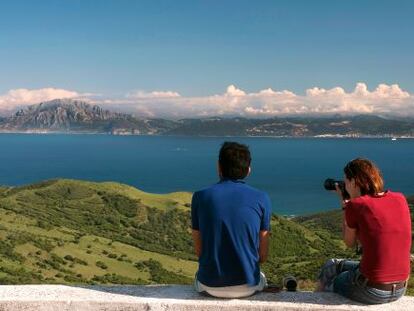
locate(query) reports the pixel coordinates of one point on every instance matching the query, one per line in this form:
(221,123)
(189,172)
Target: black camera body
(329,184)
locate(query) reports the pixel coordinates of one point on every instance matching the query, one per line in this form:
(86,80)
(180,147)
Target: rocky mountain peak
(60,114)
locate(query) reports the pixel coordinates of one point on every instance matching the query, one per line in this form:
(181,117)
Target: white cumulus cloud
(21,97)
(234,91)
(382,100)
(154,94)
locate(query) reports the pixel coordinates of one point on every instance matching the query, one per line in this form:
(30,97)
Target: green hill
(75,231)
(78,232)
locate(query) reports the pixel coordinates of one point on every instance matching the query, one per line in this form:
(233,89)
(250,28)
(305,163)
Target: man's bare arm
(197,242)
(263,245)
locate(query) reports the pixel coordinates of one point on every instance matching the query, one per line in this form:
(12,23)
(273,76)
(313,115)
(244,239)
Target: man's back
(229,216)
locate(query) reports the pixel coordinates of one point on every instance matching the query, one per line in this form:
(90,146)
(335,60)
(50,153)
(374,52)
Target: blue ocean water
(291,170)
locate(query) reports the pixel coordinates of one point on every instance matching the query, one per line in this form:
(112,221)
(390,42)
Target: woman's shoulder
(384,196)
(368,199)
(391,195)
(398,196)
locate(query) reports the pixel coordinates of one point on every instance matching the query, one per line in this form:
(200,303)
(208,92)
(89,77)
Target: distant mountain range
(74,116)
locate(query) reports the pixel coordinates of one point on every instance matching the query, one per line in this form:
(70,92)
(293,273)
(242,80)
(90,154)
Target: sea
(291,170)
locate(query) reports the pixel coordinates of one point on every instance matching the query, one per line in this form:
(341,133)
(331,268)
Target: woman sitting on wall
(380,222)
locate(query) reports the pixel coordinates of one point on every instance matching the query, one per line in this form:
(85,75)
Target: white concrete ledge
(174,297)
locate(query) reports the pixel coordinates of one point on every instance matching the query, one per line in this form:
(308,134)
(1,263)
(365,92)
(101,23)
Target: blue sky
(199,48)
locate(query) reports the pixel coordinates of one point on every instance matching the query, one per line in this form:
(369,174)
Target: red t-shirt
(383,227)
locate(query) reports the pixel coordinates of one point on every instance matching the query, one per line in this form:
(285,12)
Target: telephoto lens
(329,184)
(289,282)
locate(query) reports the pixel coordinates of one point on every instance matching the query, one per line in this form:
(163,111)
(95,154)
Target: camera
(329,184)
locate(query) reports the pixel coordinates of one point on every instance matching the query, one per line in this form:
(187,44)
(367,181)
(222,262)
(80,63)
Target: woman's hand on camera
(340,195)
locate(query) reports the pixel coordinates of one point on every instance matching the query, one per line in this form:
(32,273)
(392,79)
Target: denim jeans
(343,277)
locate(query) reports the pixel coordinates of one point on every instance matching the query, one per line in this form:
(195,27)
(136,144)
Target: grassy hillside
(69,231)
(78,232)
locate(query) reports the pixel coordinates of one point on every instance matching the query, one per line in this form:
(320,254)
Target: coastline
(323,136)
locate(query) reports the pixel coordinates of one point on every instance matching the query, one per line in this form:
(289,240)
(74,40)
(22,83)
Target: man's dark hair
(234,160)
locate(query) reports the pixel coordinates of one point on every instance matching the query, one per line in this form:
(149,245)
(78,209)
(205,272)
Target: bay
(290,170)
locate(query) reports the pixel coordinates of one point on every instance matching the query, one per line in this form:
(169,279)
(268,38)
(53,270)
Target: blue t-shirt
(229,216)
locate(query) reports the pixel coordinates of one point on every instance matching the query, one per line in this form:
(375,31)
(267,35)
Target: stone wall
(172,297)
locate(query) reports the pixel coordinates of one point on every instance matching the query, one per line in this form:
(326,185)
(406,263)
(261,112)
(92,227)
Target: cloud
(234,91)
(21,97)
(154,94)
(382,100)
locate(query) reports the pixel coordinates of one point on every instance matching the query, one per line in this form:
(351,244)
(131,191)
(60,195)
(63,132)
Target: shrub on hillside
(101,265)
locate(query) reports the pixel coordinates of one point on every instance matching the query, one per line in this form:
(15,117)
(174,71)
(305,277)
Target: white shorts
(237,291)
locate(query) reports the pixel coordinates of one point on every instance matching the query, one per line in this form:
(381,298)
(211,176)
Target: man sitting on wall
(231,223)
